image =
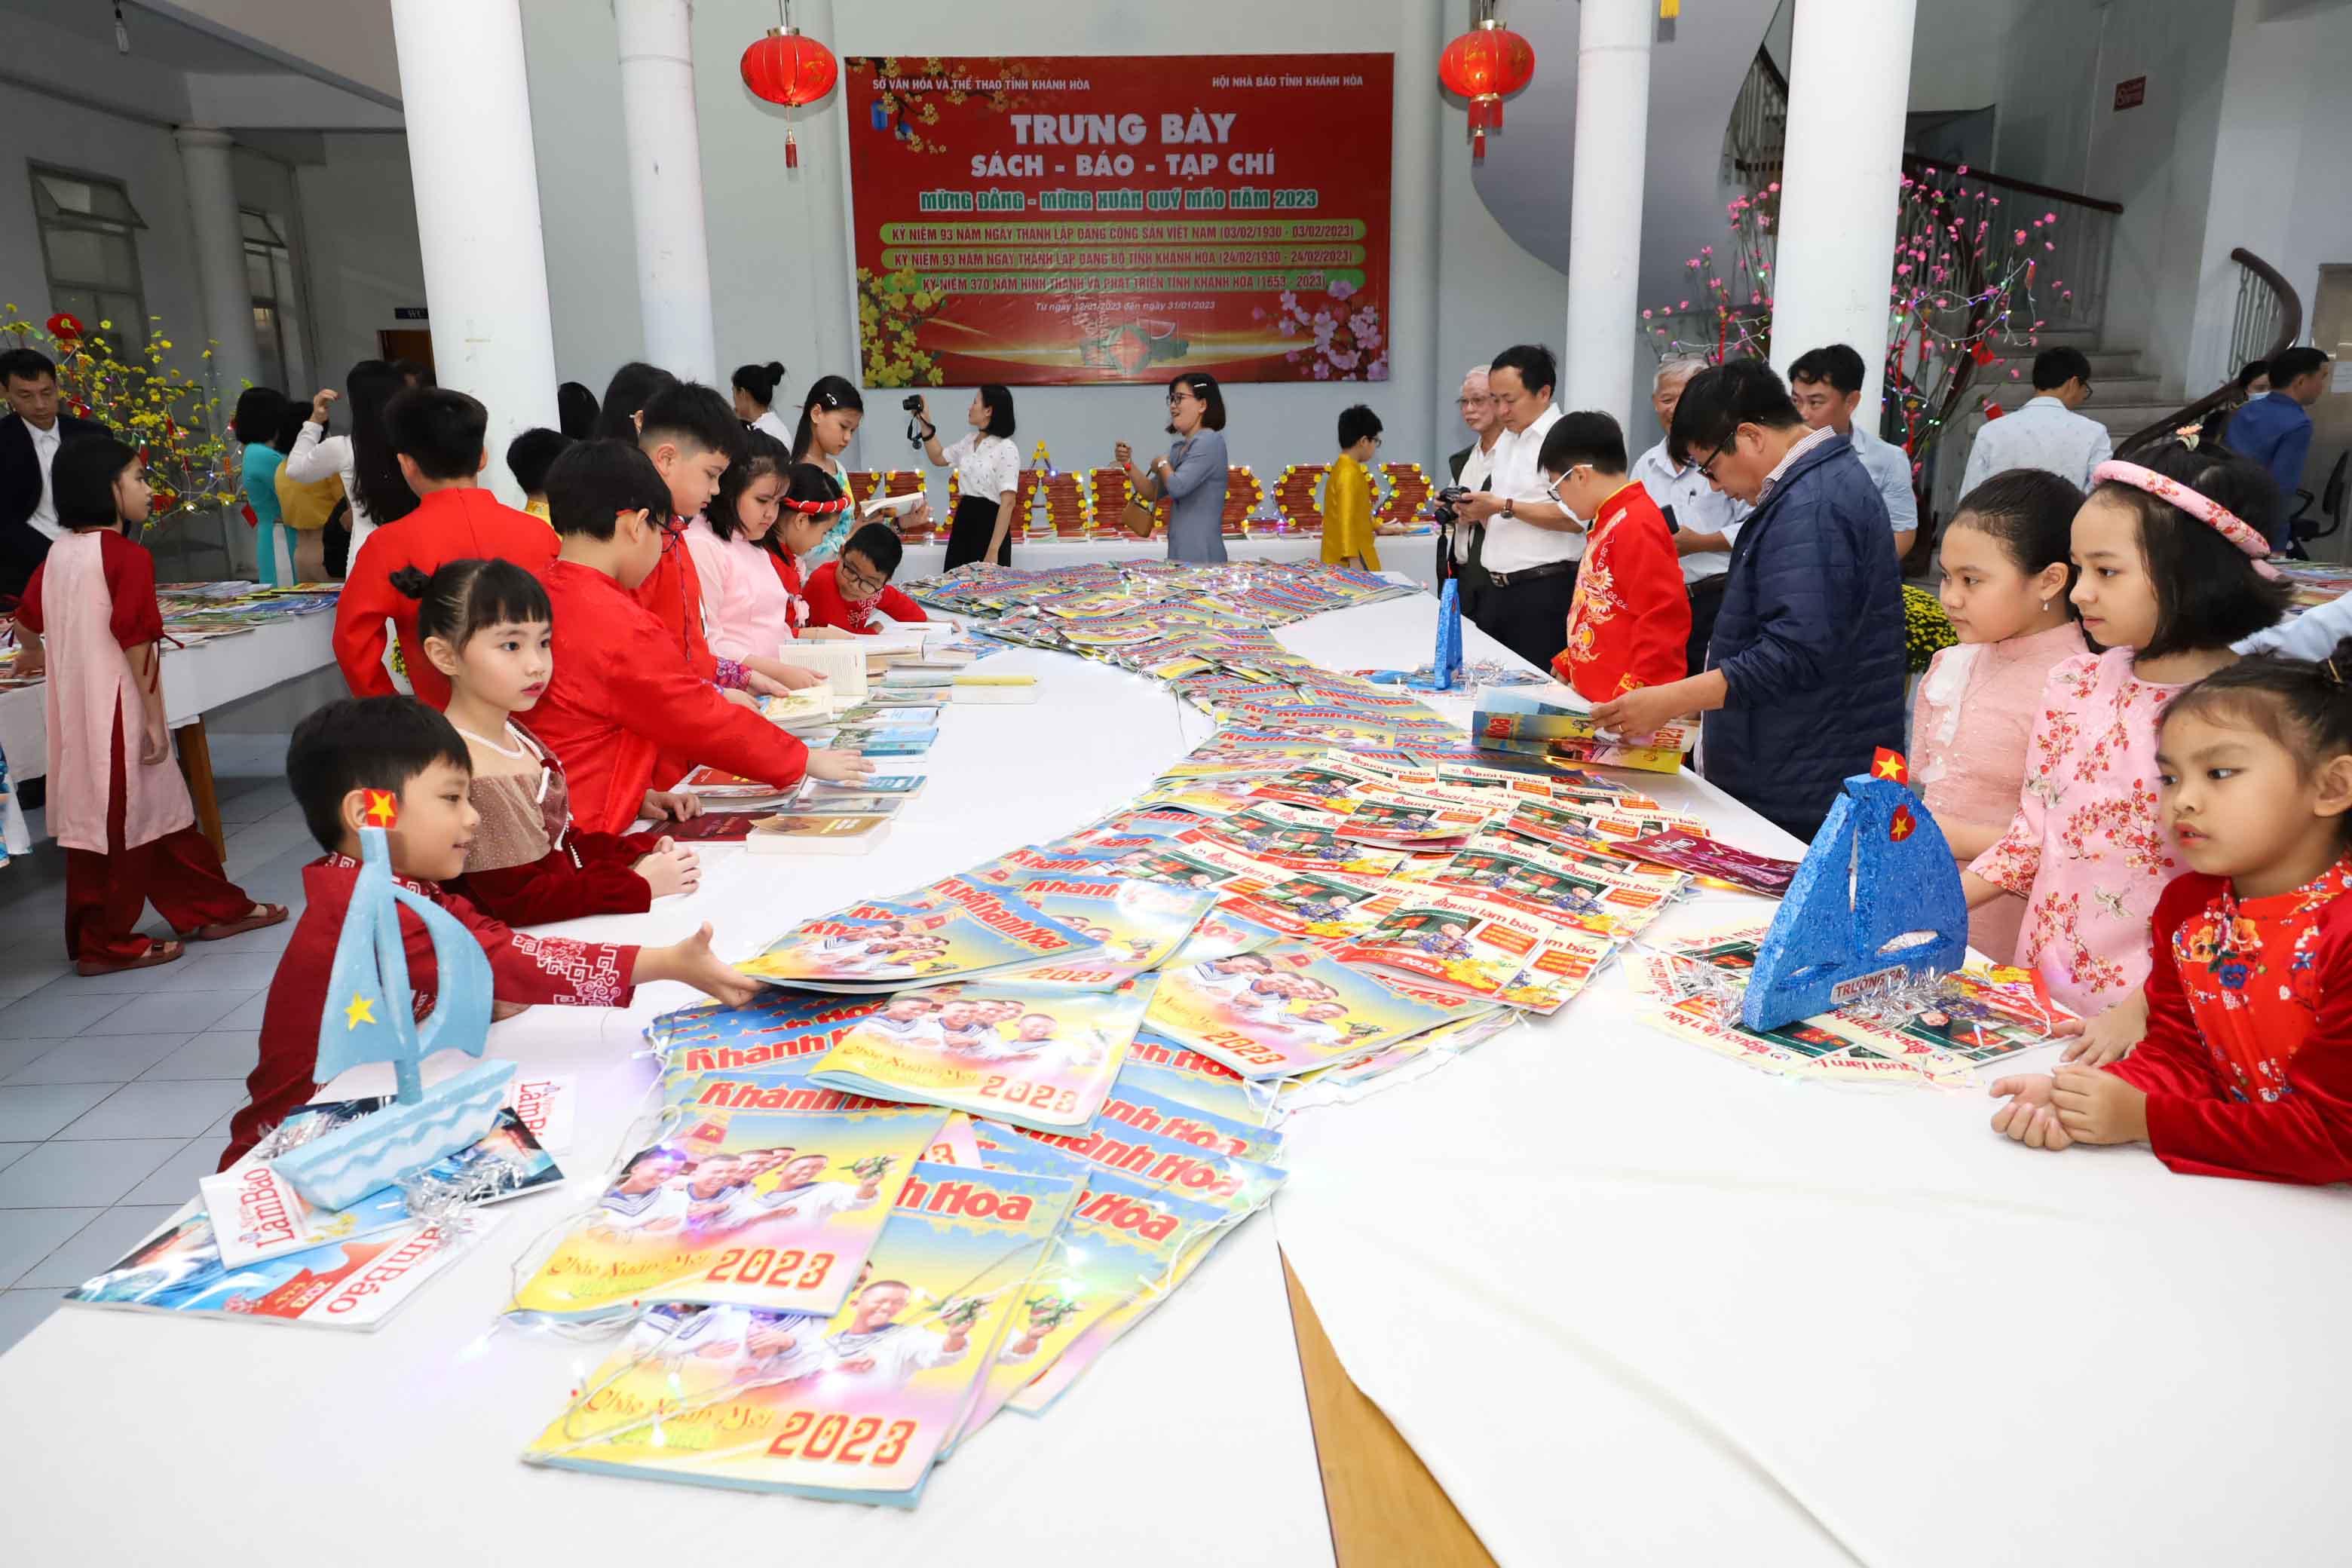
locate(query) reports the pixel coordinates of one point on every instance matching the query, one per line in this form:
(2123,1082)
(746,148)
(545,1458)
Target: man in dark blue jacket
(1804,676)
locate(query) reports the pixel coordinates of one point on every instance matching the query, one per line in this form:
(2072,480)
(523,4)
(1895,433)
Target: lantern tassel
(791,149)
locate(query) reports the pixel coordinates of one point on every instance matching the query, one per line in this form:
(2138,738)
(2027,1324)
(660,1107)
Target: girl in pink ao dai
(2170,574)
(2006,581)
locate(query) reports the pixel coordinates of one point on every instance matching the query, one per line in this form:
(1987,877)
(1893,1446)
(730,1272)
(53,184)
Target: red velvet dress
(620,699)
(527,969)
(828,609)
(2248,1061)
(531,864)
(465,524)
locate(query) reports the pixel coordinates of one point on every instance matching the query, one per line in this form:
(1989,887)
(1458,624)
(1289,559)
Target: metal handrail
(2268,315)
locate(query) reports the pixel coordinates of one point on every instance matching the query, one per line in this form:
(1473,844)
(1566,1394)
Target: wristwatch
(1507,509)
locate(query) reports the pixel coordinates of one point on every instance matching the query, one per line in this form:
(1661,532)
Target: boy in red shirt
(397,744)
(621,695)
(1629,621)
(436,434)
(845,593)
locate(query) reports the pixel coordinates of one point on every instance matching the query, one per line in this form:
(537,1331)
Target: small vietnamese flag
(1899,828)
(382,808)
(1886,764)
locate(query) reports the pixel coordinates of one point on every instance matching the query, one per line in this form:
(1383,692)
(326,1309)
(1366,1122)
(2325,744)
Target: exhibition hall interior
(1517,782)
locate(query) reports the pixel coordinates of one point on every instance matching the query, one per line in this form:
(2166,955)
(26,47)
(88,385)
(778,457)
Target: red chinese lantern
(1485,64)
(793,70)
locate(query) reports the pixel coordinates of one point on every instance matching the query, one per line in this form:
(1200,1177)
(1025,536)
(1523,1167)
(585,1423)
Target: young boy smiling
(845,593)
(398,746)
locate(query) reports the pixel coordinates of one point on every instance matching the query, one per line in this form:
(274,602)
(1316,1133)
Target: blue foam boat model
(369,1019)
(1876,900)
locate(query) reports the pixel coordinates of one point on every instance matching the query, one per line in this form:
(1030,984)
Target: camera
(1448,498)
(911,405)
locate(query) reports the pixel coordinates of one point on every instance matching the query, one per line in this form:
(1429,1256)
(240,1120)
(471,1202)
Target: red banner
(1044,221)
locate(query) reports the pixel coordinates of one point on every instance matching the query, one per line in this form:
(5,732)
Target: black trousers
(1530,618)
(1706,602)
(968,530)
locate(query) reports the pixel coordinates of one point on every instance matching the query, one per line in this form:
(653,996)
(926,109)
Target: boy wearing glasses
(845,593)
(1630,620)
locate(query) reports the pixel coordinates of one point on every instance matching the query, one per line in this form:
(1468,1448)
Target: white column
(1849,84)
(665,184)
(1604,236)
(220,261)
(476,178)
(1417,379)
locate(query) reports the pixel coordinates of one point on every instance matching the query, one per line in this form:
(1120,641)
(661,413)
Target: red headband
(817,508)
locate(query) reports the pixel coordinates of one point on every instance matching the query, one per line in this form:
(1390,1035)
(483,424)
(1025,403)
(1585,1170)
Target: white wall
(1959,50)
(2158,160)
(2279,186)
(2049,61)
(359,216)
(42,129)
(779,242)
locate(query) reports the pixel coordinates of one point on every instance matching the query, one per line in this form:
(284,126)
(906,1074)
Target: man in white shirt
(1825,384)
(1705,520)
(2047,433)
(1531,544)
(1471,465)
(30,435)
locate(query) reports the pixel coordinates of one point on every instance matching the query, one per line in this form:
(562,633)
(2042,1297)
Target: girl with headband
(809,508)
(2170,574)
(2246,1070)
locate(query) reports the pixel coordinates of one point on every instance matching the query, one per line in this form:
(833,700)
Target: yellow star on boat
(361,1011)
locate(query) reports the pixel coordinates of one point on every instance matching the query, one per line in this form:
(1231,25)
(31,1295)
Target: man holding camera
(1531,544)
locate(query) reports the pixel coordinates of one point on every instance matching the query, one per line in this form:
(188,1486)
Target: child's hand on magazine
(692,961)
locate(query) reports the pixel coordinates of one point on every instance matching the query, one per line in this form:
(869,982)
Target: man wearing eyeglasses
(1531,544)
(1703,520)
(1804,677)
(1470,468)
(2047,432)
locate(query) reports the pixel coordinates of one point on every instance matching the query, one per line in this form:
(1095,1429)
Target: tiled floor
(115,1092)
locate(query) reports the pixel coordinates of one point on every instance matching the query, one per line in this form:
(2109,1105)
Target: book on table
(818,833)
(855,1407)
(737,1207)
(954,929)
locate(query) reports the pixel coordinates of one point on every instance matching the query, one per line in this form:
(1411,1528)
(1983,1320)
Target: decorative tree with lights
(1966,278)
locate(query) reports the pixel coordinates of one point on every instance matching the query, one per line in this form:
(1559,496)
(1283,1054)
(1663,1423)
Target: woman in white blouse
(988,479)
(318,456)
(755,397)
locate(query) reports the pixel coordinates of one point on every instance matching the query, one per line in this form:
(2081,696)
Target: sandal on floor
(269,915)
(157,953)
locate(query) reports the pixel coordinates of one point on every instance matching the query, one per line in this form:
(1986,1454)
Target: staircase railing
(1758,135)
(2269,318)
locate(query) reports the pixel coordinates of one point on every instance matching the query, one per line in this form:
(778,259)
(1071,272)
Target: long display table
(1631,1301)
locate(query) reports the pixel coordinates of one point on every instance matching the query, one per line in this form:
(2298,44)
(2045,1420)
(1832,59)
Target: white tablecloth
(1631,1301)
(1414,554)
(196,680)
(1188,1444)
